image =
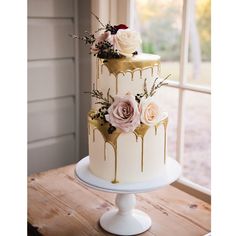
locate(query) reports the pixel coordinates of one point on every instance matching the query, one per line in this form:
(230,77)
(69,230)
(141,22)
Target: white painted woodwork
(182,78)
(50,79)
(55,62)
(51,153)
(193,189)
(50,8)
(189,87)
(54,88)
(50,118)
(84,81)
(49,38)
(77,83)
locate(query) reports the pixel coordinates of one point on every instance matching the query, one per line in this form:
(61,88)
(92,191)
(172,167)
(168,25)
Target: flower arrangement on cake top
(112,41)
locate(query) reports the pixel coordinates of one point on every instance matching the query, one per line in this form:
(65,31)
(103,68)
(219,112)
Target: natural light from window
(160,24)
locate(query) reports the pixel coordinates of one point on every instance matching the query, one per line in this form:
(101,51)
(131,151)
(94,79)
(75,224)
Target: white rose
(150,112)
(126,41)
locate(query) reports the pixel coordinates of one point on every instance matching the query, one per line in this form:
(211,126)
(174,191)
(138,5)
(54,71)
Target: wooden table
(58,205)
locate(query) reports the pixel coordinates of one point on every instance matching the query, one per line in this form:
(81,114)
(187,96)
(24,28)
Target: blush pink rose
(149,110)
(124,113)
(101,36)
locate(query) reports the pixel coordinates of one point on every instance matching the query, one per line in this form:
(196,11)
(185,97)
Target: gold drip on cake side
(139,132)
(126,65)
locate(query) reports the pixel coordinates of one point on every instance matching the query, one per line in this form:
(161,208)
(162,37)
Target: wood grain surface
(58,205)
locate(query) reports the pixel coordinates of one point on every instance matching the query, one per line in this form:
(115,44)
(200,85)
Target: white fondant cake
(127,156)
(126,127)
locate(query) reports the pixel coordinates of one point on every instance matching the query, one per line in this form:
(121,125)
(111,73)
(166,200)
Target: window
(179,31)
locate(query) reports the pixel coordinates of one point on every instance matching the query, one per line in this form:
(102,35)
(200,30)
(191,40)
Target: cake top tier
(137,62)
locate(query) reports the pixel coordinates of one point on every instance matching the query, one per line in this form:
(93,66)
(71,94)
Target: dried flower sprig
(87,38)
(97,18)
(157,86)
(106,50)
(153,90)
(105,103)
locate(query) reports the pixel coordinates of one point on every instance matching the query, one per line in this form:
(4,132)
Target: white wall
(57,133)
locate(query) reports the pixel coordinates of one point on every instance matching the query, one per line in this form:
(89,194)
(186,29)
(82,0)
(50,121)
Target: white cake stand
(126,220)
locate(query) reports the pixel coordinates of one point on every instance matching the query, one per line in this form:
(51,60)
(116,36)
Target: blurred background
(160,23)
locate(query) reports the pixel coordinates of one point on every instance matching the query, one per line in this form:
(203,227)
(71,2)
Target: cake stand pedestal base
(126,220)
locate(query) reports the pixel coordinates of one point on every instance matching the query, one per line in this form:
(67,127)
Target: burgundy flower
(120,26)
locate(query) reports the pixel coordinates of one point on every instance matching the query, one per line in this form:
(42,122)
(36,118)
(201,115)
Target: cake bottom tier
(131,158)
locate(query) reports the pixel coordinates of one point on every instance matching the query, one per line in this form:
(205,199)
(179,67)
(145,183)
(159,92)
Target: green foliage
(203,17)
(161,27)
(148,47)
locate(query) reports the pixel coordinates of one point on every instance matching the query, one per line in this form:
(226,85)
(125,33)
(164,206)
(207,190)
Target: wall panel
(50,8)
(50,118)
(51,153)
(49,38)
(50,79)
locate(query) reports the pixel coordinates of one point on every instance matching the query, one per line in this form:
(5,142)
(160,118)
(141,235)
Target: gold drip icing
(155,129)
(112,138)
(163,122)
(141,74)
(94,134)
(139,62)
(105,156)
(116,85)
(159,69)
(108,138)
(165,127)
(132,75)
(116,73)
(142,155)
(101,69)
(125,65)
(115,181)
(152,70)
(140,132)
(97,72)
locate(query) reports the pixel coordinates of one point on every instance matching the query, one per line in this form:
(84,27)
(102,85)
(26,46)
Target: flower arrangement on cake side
(112,41)
(128,112)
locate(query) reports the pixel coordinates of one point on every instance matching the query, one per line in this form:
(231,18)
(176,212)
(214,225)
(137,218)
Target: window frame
(113,11)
